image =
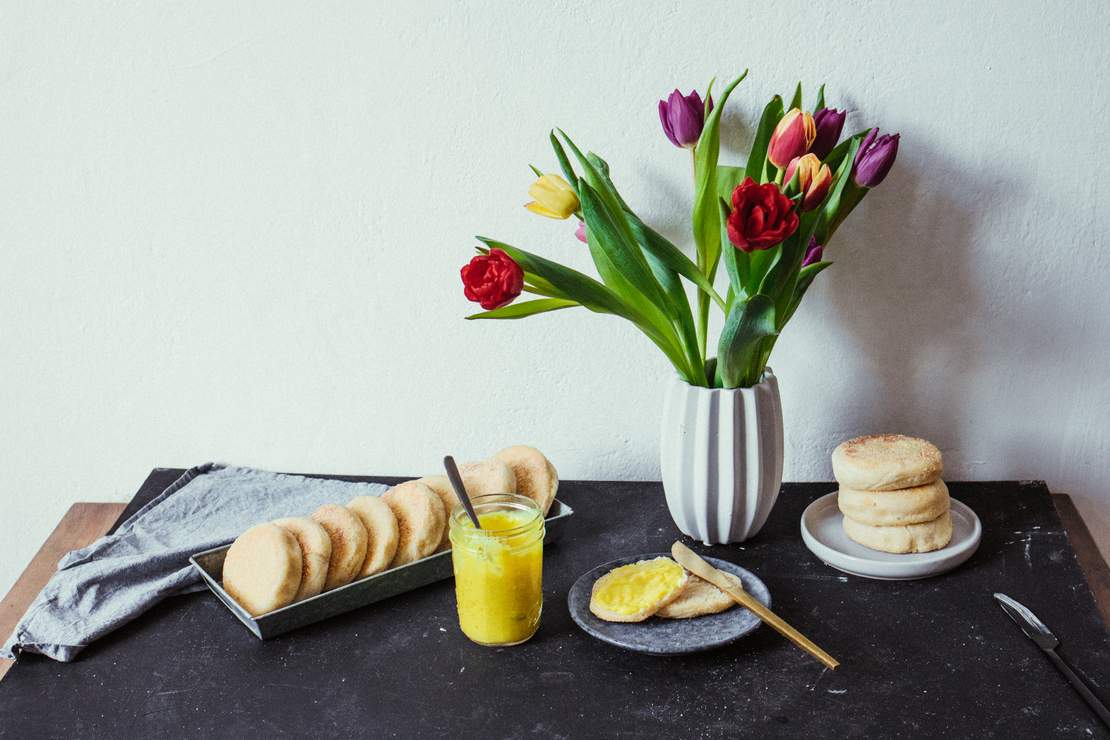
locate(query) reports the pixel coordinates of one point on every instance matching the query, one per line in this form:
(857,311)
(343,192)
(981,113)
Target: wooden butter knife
(693,562)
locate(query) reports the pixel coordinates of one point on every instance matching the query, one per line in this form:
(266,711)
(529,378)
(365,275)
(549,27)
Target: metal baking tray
(210,565)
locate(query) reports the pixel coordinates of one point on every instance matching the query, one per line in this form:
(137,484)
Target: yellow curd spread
(637,588)
(499,569)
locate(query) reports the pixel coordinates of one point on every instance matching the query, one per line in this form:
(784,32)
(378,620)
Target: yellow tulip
(554,197)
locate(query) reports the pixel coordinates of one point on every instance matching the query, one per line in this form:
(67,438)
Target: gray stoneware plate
(658,636)
(823,533)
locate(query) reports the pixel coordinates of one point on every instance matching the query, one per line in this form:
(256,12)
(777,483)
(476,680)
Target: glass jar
(498,568)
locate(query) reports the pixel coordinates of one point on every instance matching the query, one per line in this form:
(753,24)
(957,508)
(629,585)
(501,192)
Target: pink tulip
(580,232)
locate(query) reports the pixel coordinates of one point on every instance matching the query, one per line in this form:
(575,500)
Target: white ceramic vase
(721,458)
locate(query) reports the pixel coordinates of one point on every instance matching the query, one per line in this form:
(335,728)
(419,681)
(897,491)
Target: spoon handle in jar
(460,489)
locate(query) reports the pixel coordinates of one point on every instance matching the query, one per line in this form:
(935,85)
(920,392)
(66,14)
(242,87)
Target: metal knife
(1042,636)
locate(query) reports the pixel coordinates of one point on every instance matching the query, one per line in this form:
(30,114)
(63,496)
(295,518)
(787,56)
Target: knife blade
(694,563)
(1042,637)
(1034,629)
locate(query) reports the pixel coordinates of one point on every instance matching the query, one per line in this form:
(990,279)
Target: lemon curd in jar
(498,569)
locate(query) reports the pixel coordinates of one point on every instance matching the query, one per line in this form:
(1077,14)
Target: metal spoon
(460,489)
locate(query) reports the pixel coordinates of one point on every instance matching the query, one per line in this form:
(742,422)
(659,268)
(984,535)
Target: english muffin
(634,592)
(262,569)
(699,598)
(441,487)
(886,462)
(420,521)
(483,477)
(381,533)
(315,553)
(891,508)
(924,537)
(348,543)
(535,476)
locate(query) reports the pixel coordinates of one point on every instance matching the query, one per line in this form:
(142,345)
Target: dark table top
(918,658)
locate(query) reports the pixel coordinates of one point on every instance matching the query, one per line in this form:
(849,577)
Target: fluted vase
(721,458)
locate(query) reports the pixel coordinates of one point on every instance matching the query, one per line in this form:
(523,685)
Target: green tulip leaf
(707,234)
(564,163)
(596,297)
(830,209)
(526,308)
(796,101)
(614,232)
(658,246)
(820,98)
(666,262)
(757,158)
(531,287)
(680,311)
(727,180)
(778,283)
(736,262)
(760,261)
(805,279)
(740,352)
(597,181)
(624,268)
(836,156)
(571,283)
(619,259)
(705,216)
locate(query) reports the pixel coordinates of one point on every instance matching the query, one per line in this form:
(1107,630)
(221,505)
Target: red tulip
(791,138)
(761,216)
(492,280)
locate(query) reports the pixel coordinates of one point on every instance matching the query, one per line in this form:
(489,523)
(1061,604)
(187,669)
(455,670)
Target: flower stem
(703,299)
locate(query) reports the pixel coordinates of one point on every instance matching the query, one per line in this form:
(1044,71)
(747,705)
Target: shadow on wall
(914,308)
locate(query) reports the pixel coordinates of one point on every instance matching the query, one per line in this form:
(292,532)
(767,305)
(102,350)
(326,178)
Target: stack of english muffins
(891,494)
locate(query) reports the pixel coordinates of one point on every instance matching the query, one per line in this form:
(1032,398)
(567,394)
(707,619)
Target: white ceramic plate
(823,533)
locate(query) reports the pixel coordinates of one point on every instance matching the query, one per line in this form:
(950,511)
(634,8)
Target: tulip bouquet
(769,220)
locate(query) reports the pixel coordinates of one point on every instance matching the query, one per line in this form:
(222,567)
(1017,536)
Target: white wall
(233,231)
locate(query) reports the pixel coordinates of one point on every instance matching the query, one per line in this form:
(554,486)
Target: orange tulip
(791,138)
(814,179)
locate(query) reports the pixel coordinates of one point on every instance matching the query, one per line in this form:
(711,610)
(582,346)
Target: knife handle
(750,603)
(1079,685)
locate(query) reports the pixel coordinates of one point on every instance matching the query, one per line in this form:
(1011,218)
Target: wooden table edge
(82,524)
(1091,561)
(86,521)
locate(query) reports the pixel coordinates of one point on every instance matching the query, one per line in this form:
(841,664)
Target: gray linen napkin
(105,585)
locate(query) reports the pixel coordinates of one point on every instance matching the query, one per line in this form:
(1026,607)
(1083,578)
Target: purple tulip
(682,117)
(875,158)
(829,122)
(580,232)
(813,252)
